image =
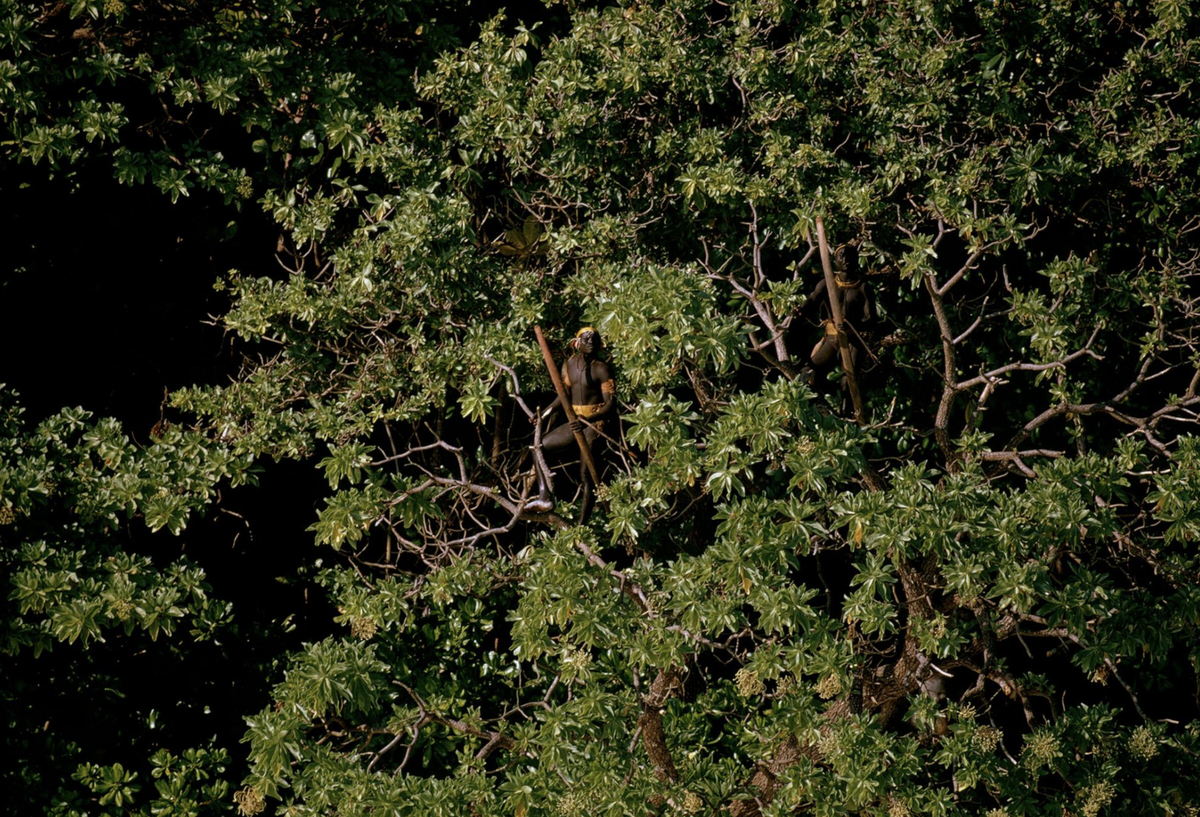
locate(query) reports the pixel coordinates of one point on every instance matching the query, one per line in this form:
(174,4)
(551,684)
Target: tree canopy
(974,591)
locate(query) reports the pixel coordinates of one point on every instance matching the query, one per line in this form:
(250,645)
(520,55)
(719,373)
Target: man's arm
(817,296)
(608,388)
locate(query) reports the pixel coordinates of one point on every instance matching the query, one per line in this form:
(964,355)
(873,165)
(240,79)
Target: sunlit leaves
(476,403)
(347,515)
(68,484)
(655,170)
(657,319)
(346,462)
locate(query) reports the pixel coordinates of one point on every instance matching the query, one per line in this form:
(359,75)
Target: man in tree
(593,392)
(1017,509)
(856,308)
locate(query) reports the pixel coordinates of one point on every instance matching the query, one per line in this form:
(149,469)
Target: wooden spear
(585,450)
(835,308)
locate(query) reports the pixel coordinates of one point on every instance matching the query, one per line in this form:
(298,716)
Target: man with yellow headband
(593,394)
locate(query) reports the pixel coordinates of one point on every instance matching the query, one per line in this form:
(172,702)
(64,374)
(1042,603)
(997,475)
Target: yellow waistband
(587,411)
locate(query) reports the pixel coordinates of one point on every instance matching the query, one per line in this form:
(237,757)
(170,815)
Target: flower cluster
(1040,749)
(964,712)
(363,627)
(249,802)
(987,738)
(829,686)
(748,683)
(122,609)
(1143,744)
(570,805)
(1092,799)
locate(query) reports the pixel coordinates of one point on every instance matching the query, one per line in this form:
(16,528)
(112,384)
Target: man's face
(588,342)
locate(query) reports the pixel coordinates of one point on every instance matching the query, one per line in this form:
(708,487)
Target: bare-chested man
(856,310)
(593,393)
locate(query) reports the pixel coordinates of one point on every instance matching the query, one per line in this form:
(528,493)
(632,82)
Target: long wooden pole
(585,450)
(835,308)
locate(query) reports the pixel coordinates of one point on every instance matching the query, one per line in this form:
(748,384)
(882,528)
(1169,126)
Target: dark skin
(856,310)
(592,391)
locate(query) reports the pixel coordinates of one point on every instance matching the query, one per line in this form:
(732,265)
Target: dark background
(106,314)
(109,311)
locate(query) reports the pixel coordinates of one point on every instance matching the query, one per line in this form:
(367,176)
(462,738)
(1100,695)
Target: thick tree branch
(651,724)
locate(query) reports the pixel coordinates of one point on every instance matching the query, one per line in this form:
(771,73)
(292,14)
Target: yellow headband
(579,334)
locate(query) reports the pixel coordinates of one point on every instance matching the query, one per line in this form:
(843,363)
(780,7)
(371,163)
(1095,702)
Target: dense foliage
(979,598)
